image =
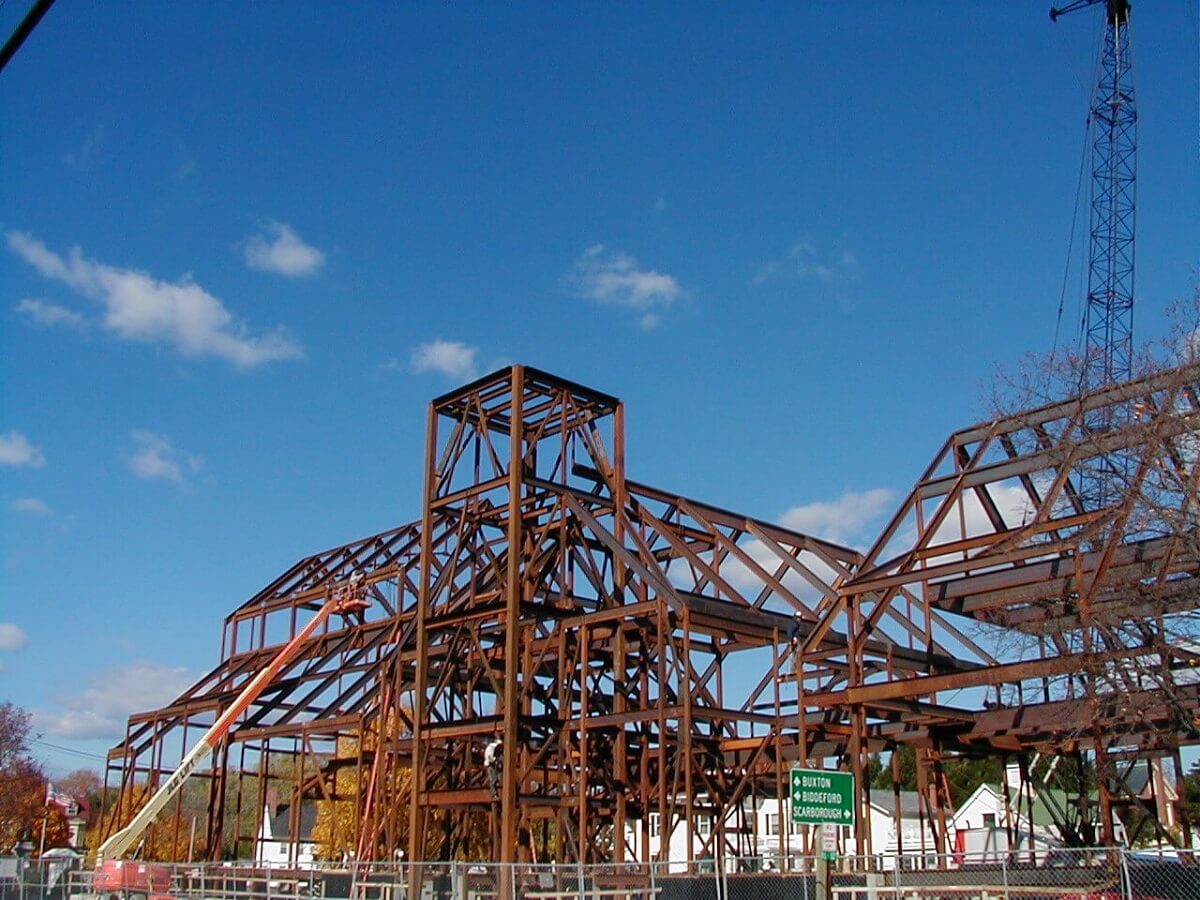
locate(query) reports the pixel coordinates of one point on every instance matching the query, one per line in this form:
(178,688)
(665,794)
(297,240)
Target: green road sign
(820,797)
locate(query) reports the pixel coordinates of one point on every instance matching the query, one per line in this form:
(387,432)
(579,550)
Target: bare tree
(1124,469)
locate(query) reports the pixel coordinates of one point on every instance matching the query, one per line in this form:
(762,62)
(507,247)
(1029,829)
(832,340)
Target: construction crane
(346,599)
(1108,318)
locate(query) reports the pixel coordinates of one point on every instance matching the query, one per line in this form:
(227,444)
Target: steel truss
(637,652)
(589,622)
(1052,624)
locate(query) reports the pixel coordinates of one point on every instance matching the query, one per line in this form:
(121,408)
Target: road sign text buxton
(819,797)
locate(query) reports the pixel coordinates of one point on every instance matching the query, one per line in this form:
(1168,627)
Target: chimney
(1012,777)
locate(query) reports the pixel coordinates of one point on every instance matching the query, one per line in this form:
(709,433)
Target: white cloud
(139,307)
(102,709)
(452,358)
(615,278)
(650,321)
(804,261)
(283,252)
(12,637)
(155,457)
(850,520)
(969,518)
(15,450)
(742,577)
(83,157)
(35,506)
(51,314)
(842,520)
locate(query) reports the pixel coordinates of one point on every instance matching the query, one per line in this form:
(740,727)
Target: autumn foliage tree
(23,808)
(333,831)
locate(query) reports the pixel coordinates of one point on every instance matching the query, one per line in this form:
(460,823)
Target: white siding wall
(774,837)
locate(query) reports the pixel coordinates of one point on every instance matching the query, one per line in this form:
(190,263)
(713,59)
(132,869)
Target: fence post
(1126,881)
(1004,874)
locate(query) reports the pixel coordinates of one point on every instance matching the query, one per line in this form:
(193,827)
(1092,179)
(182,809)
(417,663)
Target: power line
(13,44)
(62,749)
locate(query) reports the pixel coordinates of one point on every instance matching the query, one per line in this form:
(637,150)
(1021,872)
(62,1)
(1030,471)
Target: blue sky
(244,245)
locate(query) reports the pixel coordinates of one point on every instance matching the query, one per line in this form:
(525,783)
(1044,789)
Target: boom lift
(112,874)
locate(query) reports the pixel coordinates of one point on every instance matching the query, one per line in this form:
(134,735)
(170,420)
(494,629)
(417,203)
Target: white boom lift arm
(344,600)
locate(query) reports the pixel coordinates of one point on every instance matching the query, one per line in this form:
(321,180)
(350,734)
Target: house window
(703,826)
(653,825)
(989,820)
(772,823)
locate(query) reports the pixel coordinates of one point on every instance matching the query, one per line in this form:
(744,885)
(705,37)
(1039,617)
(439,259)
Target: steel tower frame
(1112,122)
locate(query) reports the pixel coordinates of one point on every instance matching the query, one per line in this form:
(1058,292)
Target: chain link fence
(49,878)
(1100,874)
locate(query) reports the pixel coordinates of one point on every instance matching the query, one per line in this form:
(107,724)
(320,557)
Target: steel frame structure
(636,651)
(588,621)
(1053,623)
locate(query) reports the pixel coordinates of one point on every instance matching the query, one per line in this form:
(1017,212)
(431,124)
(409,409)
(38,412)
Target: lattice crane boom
(1108,318)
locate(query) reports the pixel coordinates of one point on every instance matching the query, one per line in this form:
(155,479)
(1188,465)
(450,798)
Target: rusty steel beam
(597,626)
(1084,601)
(542,599)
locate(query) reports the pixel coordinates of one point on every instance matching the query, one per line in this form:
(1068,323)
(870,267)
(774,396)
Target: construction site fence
(1099,874)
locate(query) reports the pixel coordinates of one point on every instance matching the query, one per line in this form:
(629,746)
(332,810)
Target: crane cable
(1062,296)
(1084,155)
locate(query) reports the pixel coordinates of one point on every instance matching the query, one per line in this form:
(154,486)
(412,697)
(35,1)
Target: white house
(74,810)
(1146,781)
(916,835)
(274,845)
(764,832)
(984,823)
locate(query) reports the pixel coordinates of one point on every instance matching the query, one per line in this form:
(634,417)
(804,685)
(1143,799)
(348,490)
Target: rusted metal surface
(1071,613)
(588,622)
(637,652)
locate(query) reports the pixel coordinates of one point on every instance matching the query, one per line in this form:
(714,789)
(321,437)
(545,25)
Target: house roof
(910,803)
(282,820)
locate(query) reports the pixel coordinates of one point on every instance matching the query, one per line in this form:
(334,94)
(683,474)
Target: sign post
(820,797)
